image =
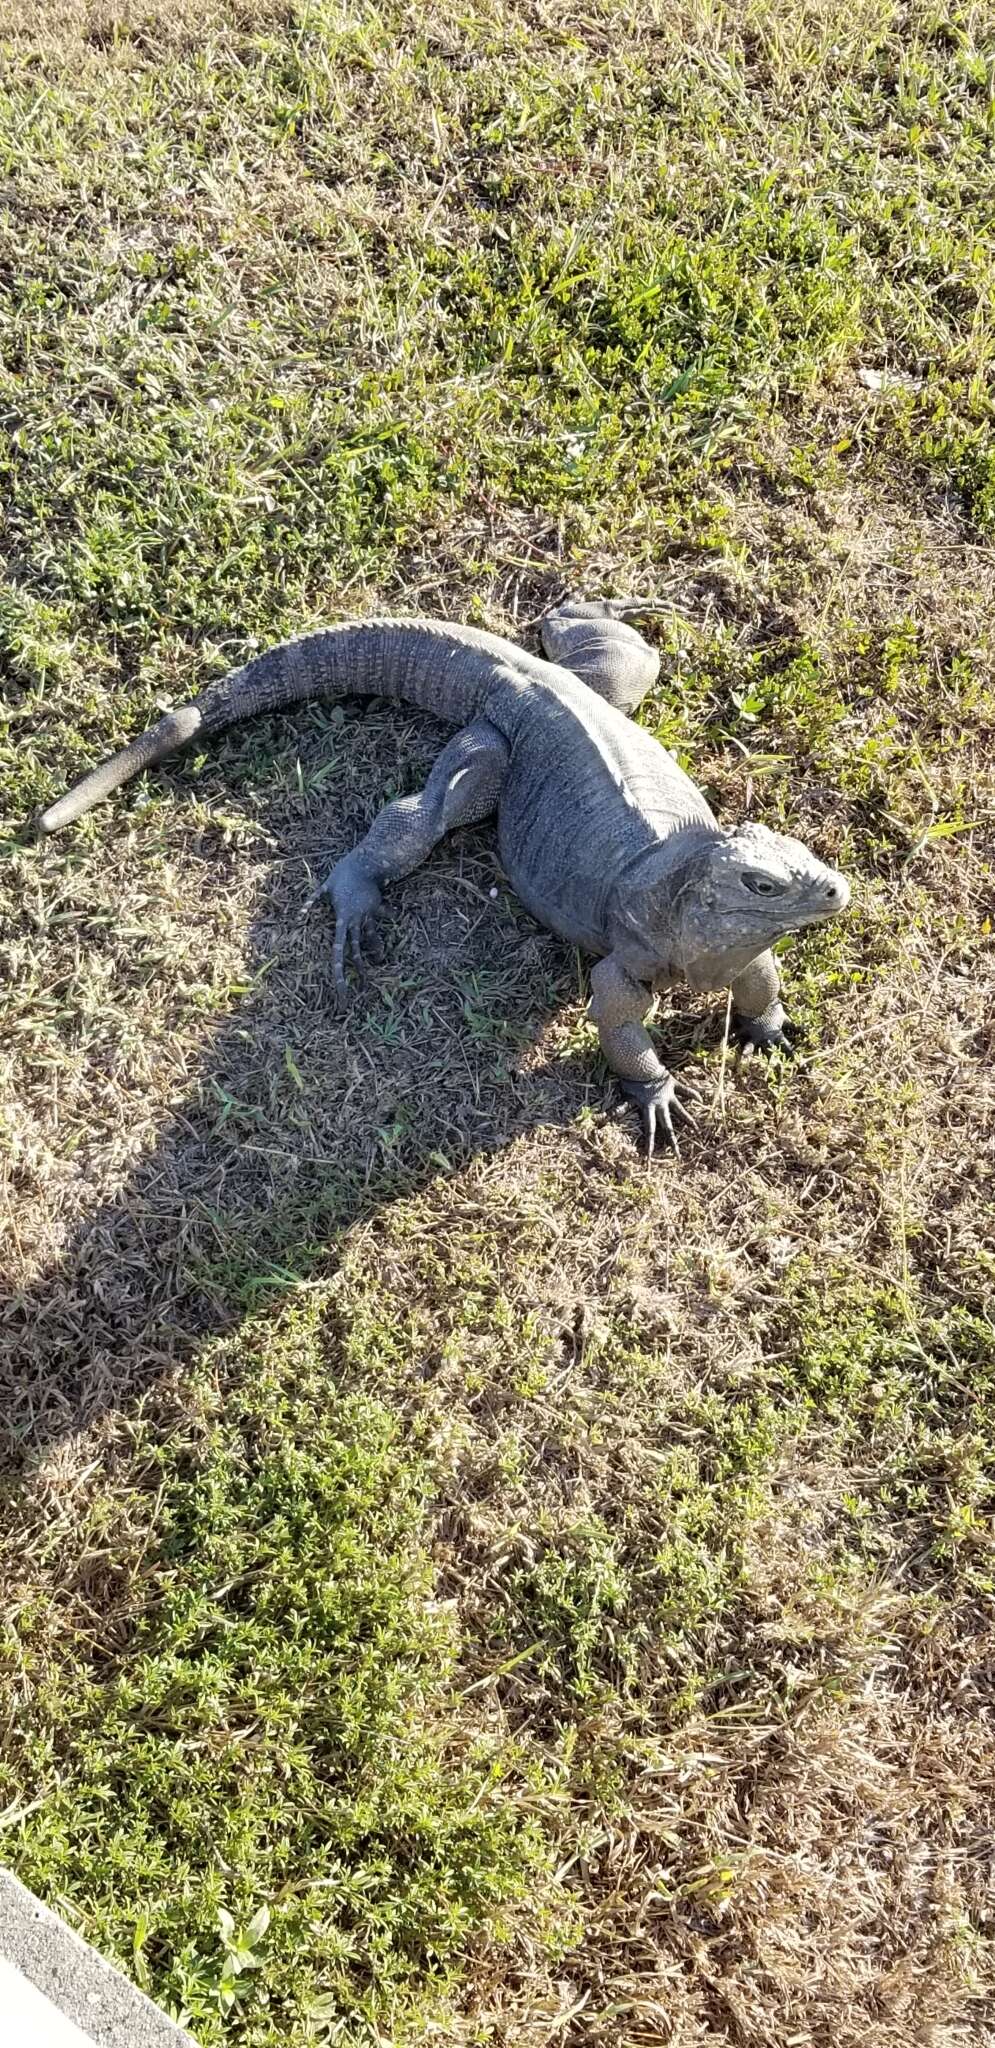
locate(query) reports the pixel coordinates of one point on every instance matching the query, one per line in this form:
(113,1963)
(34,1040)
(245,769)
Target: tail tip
(42,824)
(174,730)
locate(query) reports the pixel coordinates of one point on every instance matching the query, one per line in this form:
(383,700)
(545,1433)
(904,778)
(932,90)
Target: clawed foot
(659,1105)
(356,900)
(751,1035)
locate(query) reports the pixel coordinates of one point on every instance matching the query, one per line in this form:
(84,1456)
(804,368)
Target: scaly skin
(605,839)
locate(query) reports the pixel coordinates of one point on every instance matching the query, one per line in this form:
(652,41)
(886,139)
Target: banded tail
(447,670)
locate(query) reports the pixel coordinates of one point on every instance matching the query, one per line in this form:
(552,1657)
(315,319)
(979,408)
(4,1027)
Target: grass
(458,1584)
(258,1751)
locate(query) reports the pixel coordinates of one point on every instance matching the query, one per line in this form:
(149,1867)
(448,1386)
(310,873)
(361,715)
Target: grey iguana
(604,838)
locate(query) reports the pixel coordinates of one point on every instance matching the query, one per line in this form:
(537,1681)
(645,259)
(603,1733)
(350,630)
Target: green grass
(222,402)
(457,1583)
(261,1737)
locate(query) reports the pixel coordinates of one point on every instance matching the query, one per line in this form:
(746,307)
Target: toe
(338,963)
(680,1109)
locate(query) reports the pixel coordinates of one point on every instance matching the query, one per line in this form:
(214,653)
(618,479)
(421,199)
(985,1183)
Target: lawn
(459,1583)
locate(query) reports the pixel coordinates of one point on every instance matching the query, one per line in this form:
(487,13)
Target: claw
(681,1109)
(317,896)
(338,963)
(752,1036)
(659,1104)
(356,899)
(364,942)
(637,607)
(655,1115)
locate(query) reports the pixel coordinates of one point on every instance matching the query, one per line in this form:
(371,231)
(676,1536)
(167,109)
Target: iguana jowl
(604,838)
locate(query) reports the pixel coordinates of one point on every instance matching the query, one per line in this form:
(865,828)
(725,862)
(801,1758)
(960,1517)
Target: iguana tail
(171,733)
(448,670)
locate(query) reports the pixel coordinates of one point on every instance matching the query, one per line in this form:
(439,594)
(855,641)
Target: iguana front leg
(758,1018)
(618,1007)
(462,788)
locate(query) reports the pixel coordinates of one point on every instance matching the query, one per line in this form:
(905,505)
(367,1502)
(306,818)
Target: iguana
(604,838)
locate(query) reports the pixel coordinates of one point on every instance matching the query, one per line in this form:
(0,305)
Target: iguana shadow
(297,1120)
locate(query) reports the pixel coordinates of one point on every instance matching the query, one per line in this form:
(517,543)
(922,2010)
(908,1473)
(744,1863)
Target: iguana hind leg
(592,639)
(462,788)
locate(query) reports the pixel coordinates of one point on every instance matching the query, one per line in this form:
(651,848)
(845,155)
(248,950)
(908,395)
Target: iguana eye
(761,885)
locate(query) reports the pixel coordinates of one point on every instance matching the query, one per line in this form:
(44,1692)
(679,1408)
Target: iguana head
(759,884)
(704,903)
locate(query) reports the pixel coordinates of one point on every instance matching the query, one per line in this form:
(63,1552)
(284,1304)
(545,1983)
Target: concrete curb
(60,1993)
